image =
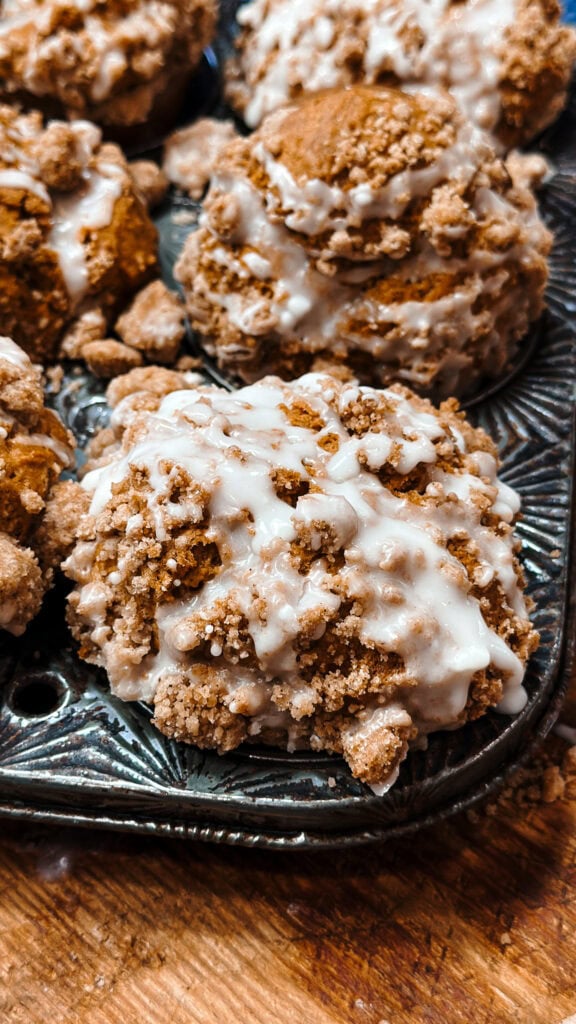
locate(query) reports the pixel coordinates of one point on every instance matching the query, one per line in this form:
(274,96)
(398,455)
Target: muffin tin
(72,753)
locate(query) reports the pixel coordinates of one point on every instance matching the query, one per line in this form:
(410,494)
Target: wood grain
(474,920)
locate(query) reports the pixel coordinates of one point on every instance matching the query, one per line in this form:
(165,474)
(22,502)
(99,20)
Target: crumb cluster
(150,182)
(150,329)
(38,513)
(311,564)
(118,63)
(367,228)
(191,153)
(508,62)
(549,776)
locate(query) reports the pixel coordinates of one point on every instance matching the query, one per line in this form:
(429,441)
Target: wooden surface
(473,921)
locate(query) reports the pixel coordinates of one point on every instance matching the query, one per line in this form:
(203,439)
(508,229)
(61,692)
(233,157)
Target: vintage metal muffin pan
(71,753)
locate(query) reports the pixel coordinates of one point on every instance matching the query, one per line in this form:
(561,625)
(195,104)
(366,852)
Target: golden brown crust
(330,142)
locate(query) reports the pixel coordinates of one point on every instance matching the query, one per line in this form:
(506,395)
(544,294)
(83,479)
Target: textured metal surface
(70,752)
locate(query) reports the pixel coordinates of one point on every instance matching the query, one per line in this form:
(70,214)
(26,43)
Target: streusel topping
(313,563)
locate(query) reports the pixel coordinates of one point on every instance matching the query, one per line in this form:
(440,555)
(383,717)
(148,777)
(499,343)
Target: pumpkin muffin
(369,229)
(120,63)
(314,565)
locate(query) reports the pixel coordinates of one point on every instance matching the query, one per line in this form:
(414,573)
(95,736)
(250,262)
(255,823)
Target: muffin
(313,564)
(37,512)
(509,67)
(369,229)
(74,233)
(121,64)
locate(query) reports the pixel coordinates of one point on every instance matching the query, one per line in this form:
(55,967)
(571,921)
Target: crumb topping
(317,562)
(154,323)
(150,182)
(191,152)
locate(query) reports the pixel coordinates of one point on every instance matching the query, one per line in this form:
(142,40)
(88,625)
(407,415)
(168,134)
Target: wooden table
(472,921)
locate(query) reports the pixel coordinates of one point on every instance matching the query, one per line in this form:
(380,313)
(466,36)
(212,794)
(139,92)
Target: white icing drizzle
(300,295)
(17,179)
(61,450)
(414,595)
(12,353)
(88,209)
(421,42)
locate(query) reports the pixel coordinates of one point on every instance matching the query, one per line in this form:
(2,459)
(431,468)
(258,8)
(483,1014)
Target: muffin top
(309,558)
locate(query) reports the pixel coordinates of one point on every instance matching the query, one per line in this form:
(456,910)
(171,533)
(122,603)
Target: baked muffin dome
(370,228)
(508,64)
(119,63)
(37,512)
(74,233)
(312,564)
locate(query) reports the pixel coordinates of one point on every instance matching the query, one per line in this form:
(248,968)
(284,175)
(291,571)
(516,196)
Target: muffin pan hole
(38,695)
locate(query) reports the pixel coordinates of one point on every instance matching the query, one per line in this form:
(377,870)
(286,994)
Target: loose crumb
(191,153)
(150,181)
(108,357)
